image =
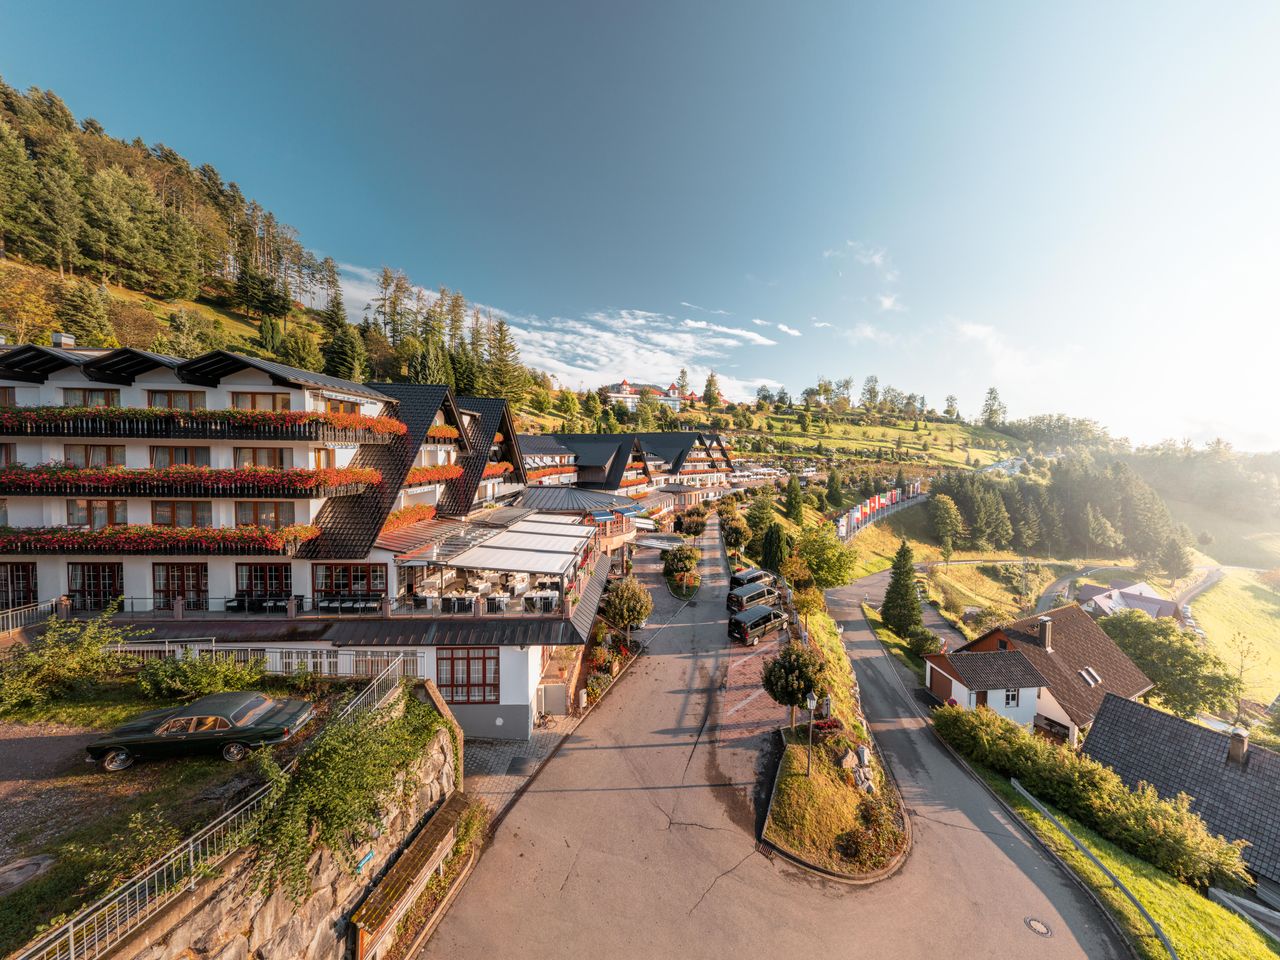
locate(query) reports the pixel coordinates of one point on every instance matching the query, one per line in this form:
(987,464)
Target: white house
(1004,681)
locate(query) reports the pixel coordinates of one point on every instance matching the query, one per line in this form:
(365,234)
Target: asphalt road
(638,838)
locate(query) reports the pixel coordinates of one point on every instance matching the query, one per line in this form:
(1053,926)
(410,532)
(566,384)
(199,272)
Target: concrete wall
(224,919)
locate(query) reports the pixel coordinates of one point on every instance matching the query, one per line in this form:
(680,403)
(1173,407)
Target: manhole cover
(1038,927)
(520,767)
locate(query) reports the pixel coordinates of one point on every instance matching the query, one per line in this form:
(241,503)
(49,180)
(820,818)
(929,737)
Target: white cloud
(864,332)
(694,306)
(759,323)
(750,336)
(890,303)
(821,325)
(868,256)
(788,330)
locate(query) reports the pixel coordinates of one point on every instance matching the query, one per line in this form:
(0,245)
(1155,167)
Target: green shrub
(922,640)
(681,559)
(1165,833)
(596,686)
(197,676)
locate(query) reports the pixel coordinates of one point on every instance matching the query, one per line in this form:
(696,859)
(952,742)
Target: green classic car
(230,723)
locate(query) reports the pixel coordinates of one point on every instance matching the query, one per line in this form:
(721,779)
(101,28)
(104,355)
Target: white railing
(284,660)
(19,617)
(100,927)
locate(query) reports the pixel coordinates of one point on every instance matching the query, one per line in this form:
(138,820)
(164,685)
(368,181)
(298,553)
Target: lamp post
(811,703)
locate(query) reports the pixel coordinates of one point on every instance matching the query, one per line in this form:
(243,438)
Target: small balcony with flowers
(184,480)
(123,423)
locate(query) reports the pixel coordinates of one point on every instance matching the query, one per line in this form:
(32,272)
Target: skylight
(1090,676)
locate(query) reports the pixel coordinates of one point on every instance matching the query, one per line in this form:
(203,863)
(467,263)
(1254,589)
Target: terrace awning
(514,561)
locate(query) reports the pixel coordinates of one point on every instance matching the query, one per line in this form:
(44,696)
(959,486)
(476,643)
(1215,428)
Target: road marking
(733,710)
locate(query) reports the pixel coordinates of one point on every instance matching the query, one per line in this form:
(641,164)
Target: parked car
(228,723)
(750,575)
(750,625)
(749,595)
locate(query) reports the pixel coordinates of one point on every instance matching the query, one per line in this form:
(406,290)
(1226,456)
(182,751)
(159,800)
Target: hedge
(1165,833)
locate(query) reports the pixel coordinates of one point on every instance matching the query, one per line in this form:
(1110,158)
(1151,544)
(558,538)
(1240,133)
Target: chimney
(1046,633)
(1238,747)
(64,340)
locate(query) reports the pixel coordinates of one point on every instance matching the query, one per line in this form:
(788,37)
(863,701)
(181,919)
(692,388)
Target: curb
(853,880)
(438,916)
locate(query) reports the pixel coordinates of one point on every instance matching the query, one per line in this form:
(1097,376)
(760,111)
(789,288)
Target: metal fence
(285,660)
(19,617)
(1044,812)
(97,929)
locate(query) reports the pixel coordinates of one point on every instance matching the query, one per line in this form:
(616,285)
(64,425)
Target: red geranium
(55,477)
(408,516)
(497,470)
(442,432)
(150,539)
(420,475)
(16,418)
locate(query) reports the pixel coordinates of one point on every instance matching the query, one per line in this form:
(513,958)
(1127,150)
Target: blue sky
(1077,203)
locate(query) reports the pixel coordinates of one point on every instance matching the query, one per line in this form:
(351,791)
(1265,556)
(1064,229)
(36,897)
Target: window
(8,396)
(209,724)
(261,457)
(93,454)
(175,727)
(188,582)
(92,586)
(324,458)
(250,711)
(264,579)
(340,406)
(8,454)
(467,674)
(347,579)
(96,514)
(1011,698)
(182,513)
(260,401)
(17,585)
(1090,676)
(79,397)
(264,513)
(176,399)
(180,456)
(4,513)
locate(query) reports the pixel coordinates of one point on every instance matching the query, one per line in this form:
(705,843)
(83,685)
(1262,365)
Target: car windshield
(251,711)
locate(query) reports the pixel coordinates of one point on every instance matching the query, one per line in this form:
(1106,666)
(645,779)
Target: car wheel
(755,641)
(234,752)
(113,761)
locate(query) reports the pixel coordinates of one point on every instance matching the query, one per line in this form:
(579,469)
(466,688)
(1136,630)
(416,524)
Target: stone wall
(223,918)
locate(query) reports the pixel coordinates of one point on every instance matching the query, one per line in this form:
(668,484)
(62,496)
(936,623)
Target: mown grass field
(1239,603)
(981,584)
(877,543)
(1198,928)
(1237,542)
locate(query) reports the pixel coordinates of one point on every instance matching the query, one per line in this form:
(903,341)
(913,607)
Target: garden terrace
(158,423)
(168,541)
(183,480)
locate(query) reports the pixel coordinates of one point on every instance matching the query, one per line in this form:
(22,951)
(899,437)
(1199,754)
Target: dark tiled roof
(216,364)
(350,525)
(585,612)
(1077,643)
(1239,802)
(608,451)
(672,446)
(491,416)
(542,445)
(564,499)
(990,669)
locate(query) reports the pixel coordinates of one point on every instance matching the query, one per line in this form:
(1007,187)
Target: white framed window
(1011,698)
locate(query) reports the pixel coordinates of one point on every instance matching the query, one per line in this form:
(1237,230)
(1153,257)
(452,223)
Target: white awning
(574,532)
(542,542)
(516,561)
(553,518)
(644,523)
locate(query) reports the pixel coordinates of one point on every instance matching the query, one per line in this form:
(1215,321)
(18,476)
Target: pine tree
(17,186)
(269,337)
(682,383)
(711,390)
(334,315)
(774,551)
(835,495)
(344,355)
(82,312)
(1176,559)
(901,609)
(298,349)
(506,377)
(793,504)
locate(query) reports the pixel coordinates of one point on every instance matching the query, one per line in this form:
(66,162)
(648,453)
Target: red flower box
(442,432)
(421,475)
(156,540)
(633,482)
(55,478)
(23,418)
(407,516)
(497,470)
(550,472)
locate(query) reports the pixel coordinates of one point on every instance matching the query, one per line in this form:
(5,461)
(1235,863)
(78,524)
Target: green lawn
(982,585)
(1239,603)
(1236,541)
(1198,928)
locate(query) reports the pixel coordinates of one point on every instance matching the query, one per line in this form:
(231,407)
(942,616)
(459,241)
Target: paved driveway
(638,838)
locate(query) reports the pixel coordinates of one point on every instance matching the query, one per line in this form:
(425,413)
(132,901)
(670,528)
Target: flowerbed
(1165,833)
(419,475)
(22,417)
(407,516)
(442,431)
(633,482)
(149,539)
(550,472)
(497,470)
(52,478)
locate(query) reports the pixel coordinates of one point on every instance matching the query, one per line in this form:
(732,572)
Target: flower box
(160,422)
(419,476)
(497,470)
(407,516)
(183,480)
(162,541)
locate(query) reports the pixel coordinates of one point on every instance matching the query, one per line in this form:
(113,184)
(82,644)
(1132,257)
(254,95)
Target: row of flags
(873,508)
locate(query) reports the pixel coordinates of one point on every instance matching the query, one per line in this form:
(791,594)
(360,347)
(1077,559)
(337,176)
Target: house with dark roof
(1002,680)
(1103,602)
(1080,664)
(699,466)
(1233,786)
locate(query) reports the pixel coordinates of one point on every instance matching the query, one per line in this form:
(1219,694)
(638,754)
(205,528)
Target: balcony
(195,606)
(124,423)
(185,481)
(126,540)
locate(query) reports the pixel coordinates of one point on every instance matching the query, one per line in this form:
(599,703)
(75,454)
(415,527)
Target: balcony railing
(341,607)
(184,481)
(156,541)
(124,423)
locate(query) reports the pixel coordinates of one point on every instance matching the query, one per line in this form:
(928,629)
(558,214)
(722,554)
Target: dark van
(749,595)
(750,575)
(755,622)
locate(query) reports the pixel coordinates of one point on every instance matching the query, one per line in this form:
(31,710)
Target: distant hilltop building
(629,395)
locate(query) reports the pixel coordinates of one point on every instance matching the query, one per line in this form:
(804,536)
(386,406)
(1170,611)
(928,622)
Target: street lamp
(811,703)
